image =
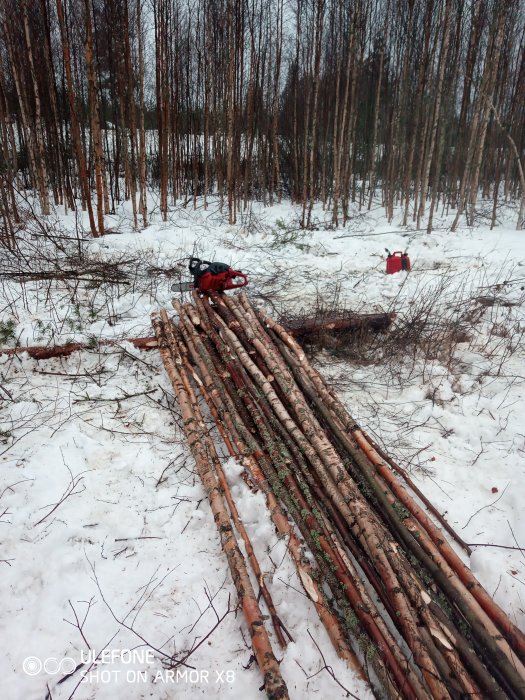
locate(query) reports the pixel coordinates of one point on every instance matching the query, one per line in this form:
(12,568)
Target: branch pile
(397,601)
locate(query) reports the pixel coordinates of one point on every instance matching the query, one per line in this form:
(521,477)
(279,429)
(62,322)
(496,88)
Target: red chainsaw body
(221,281)
(396,262)
(215,276)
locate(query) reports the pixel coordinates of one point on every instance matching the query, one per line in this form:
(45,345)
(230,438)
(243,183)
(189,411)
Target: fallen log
(39,352)
(299,329)
(330,323)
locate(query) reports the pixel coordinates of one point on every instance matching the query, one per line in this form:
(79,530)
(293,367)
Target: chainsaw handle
(235,274)
(196,264)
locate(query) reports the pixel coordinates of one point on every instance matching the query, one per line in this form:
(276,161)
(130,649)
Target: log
(39,352)
(299,329)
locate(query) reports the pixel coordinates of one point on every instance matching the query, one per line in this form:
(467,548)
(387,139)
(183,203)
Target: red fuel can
(396,262)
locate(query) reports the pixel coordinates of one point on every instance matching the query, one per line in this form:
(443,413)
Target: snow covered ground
(108,543)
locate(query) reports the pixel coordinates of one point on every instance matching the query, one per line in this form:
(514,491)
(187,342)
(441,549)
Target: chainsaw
(211,277)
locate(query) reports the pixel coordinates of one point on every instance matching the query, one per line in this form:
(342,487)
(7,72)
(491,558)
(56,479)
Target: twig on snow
(499,546)
(487,506)
(80,625)
(327,668)
(70,491)
(521,550)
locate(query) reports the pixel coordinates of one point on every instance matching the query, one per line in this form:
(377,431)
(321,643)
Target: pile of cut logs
(397,601)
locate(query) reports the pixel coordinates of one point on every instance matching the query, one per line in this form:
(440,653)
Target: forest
(310,487)
(417,104)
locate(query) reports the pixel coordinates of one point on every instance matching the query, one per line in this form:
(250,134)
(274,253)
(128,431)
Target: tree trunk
(75,127)
(94,114)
